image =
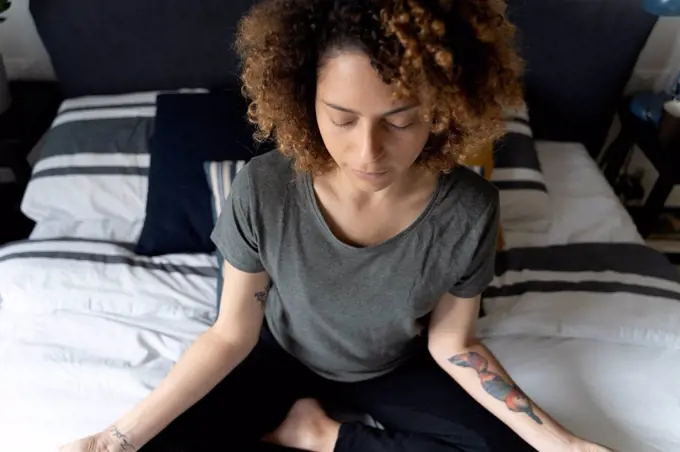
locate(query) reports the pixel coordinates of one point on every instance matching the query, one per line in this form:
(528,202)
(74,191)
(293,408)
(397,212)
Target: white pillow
(94,160)
(523,195)
(93,163)
(111,230)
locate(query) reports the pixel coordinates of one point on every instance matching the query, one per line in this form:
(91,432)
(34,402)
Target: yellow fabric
(484,160)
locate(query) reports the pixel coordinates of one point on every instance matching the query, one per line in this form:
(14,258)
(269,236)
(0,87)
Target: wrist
(576,444)
(582,445)
(114,440)
(558,442)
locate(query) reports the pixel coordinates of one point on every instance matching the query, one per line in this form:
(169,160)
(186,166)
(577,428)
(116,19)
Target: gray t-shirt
(352,313)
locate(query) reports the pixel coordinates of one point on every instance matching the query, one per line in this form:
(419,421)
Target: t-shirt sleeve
(483,239)
(235,233)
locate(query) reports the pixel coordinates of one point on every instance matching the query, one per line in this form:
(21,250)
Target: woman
(363,243)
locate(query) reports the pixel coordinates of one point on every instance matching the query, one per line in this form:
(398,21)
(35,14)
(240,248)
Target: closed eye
(394,126)
(346,124)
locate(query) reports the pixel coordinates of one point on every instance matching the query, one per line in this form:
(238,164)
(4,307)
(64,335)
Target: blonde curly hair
(458,53)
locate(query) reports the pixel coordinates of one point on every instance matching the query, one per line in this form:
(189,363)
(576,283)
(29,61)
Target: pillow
(220,175)
(121,231)
(190,129)
(517,174)
(94,160)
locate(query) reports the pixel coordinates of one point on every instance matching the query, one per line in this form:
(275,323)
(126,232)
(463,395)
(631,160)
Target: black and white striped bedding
(621,292)
(519,178)
(93,163)
(99,252)
(94,160)
(631,289)
(106,277)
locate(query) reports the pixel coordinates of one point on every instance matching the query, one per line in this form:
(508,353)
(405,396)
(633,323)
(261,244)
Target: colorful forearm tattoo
(496,385)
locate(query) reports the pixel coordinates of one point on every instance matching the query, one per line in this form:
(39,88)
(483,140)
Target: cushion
(94,160)
(517,173)
(220,175)
(190,129)
(119,231)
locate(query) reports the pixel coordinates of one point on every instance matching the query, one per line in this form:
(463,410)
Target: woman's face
(373,137)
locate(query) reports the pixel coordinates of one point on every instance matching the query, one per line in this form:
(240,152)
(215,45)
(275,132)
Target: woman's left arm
(453,345)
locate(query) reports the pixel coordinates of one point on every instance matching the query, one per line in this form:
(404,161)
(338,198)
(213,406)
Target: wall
(24,54)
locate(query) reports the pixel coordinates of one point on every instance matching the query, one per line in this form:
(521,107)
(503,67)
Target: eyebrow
(389,113)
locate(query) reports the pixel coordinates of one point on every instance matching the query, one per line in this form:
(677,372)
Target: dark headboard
(579,53)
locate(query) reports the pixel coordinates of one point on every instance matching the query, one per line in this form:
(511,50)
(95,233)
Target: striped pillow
(220,175)
(519,178)
(94,160)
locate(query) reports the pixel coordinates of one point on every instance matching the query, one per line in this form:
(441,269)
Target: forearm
(481,375)
(204,364)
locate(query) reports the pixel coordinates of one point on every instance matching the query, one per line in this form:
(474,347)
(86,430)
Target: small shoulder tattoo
(261,295)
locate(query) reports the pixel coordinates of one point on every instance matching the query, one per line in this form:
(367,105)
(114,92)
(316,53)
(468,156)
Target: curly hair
(455,57)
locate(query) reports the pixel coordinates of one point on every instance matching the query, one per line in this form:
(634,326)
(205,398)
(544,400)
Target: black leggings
(420,406)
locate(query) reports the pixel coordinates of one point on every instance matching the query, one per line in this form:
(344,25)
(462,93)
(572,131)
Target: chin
(373,184)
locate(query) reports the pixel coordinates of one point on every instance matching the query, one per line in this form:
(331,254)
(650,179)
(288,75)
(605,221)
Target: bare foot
(306,427)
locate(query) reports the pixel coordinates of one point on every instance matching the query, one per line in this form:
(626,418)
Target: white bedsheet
(82,341)
(624,396)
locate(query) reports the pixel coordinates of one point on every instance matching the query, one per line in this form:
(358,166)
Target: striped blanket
(620,292)
(607,291)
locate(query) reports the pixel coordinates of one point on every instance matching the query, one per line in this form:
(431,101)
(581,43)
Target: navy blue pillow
(190,129)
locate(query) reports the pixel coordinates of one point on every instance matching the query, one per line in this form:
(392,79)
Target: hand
(89,444)
(94,443)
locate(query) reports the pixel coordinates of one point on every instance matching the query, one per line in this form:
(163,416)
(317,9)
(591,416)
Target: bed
(603,363)
(583,315)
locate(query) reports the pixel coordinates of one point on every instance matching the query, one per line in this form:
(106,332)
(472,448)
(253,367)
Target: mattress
(88,328)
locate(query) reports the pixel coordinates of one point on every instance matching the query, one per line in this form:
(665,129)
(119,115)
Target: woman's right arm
(204,364)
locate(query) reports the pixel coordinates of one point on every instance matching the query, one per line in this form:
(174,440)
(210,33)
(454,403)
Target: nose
(371,149)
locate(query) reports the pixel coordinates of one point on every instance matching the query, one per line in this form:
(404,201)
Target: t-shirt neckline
(313,201)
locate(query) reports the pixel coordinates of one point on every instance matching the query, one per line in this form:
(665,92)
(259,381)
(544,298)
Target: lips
(371,173)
